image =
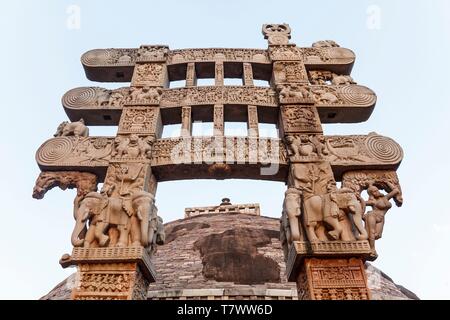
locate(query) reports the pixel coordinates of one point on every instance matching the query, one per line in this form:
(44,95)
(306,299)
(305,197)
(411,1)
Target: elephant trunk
(144,229)
(79,229)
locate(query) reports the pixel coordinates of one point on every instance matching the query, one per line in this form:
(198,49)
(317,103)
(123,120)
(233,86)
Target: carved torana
(327,230)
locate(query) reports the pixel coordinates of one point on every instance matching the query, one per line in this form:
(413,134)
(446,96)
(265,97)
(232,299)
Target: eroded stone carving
(121,215)
(306,148)
(77,129)
(191,55)
(373,181)
(292,93)
(325,44)
(300,118)
(150,53)
(139,120)
(84,152)
(289,72)
(84,182)
(277,34)
(149,74)
(131,147)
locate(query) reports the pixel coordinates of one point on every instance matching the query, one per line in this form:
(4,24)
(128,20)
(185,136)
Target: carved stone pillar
(247,74)
(111,273)
(219,73)
(252,123)
(186,121)
(332,279)
(191,76)
(218,120)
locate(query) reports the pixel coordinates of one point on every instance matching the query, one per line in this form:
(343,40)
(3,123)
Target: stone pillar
(247,74)
(329,271)
(323,255)
(218,120)
(252,122)
(111,273)
(186,121)
(191,76)
(113,258)
(219,73)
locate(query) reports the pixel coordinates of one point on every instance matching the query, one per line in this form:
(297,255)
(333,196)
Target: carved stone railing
(182,158)
(99,106)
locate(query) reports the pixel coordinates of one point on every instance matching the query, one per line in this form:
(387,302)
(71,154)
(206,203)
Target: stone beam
(117,65)
(241,157)
(335,103)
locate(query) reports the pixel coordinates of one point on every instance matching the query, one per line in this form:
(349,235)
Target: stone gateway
(328,227)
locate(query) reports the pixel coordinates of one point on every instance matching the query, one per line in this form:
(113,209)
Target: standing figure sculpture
(375,218)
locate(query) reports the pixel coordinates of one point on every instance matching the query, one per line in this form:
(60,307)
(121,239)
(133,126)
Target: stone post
(324,266)
(117,264)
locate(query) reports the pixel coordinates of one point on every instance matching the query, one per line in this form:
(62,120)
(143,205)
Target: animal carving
(325,44)
(77,129)
(342,80)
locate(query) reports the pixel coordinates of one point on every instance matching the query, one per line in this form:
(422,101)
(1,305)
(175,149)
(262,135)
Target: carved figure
(375,218)
(148,93)
(292,212)
(294,92)
(305,146)
(103,97)
(319,144)
(90,209)
(77,129)
(326,97)
(105,214)
(342,80)
(325,44)
(120,146)
(132,147)
(322,210)
(144,216)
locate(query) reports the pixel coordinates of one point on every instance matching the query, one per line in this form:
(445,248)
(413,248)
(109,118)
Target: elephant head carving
(143,206)
(92,205)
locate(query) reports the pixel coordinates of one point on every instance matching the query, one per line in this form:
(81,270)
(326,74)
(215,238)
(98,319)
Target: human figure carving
(375,218)
(77,129)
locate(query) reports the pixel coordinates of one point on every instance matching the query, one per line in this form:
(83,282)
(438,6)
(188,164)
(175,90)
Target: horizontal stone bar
(336,104)
(219,157)
(116,65)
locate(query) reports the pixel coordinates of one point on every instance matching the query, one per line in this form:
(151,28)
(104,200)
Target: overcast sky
(402,50)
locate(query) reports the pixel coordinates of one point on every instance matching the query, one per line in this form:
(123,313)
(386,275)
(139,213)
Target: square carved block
(149,75)
(140,120)
(299,119)
(333,279)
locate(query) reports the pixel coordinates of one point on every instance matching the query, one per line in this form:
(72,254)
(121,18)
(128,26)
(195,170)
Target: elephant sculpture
(128,221)
(332,212)
(91,209)
(321,211)
(291,213)
(352,208)
(145,216)
(342,80)
(77,129)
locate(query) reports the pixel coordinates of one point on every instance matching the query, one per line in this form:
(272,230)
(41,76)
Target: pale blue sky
(405,62)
